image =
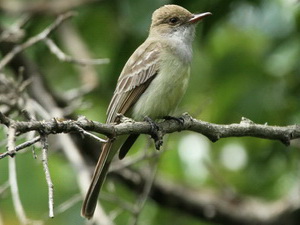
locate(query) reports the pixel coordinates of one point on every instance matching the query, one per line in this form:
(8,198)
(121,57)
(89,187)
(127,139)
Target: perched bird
(151,84)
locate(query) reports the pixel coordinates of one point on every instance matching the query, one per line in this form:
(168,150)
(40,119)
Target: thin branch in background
(4,187)
(43,7)
(122,204)
(21,146)
(73,42)
(14,33)
(35,39)
(68,204)
(44,142)
(66,58)
(11,138)
(15,192)
(132,160)
(19,209)
(39,109)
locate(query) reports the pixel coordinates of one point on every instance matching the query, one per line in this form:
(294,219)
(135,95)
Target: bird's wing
(136,76)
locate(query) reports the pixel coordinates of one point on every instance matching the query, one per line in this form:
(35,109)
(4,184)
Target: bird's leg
(154,126)
(156,133)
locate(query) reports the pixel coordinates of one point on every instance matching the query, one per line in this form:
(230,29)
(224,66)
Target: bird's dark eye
(173,20)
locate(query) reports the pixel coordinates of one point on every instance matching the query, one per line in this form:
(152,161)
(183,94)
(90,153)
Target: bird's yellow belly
(163,94)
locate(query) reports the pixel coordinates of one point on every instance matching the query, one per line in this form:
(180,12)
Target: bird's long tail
(101,169)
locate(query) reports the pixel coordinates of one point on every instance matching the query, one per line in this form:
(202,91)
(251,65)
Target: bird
(151,85)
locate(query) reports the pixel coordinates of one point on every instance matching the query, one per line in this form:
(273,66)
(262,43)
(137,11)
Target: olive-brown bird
(151,84)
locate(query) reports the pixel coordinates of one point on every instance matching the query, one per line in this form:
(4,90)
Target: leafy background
(246,64)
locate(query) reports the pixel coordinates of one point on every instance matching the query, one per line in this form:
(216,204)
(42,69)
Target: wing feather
(139,71)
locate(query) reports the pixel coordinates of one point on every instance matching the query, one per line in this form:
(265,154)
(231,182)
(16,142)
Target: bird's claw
(156,133)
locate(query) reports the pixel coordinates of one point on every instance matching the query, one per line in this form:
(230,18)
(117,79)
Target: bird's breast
(165,91)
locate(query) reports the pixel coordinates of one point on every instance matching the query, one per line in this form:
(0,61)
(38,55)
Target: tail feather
(108,151)
(90,201)
(127,145)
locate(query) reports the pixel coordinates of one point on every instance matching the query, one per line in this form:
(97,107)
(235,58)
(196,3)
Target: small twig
(66,58)
(15,192)
(28,143)
(14,33)
(11,138)
(33,40)
(21,146)
(5,120)
(90,134)
(47,174)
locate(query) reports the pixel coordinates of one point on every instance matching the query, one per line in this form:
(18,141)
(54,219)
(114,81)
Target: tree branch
(212,131)
(19,209)
(44,142)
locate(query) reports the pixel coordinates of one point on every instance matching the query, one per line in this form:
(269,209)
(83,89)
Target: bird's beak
(198,17)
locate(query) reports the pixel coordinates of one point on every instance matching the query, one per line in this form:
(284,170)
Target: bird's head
(174,21)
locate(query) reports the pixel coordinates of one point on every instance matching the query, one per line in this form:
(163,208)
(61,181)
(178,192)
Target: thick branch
(213,131)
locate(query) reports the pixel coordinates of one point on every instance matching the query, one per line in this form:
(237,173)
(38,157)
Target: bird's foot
(156,132)
(120,118)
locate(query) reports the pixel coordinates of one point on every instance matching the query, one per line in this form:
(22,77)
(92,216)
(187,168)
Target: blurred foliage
(246,64)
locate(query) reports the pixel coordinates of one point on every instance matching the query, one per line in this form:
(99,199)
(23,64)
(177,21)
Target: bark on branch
(212,131)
